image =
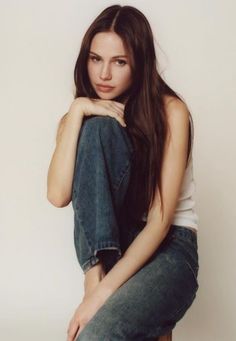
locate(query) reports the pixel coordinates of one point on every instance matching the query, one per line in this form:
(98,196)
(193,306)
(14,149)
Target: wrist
(76,113)
(96,272)
(76,109)
(102,293)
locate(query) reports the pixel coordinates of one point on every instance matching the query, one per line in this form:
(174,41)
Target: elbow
(58,200)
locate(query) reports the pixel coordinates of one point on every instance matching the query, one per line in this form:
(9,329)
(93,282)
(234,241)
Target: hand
(95,106)
(84,312)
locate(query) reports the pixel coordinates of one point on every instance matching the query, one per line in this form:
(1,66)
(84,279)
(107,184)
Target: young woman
(123,157)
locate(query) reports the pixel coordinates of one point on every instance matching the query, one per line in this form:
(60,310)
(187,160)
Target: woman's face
(108,64)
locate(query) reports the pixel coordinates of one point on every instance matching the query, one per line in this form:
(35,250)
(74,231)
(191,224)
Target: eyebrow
(112,57)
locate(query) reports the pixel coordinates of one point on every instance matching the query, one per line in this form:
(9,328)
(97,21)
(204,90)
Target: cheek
(124,77)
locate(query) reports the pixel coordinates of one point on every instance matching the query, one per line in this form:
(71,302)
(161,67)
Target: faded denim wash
(157,296)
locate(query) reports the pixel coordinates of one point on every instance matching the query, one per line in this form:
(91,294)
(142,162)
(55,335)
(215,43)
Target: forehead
(108,44)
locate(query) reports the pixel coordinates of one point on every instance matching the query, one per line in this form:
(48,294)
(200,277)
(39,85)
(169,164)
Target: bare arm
(61,168)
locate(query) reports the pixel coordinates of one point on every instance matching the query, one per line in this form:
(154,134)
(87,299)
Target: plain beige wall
(41,281)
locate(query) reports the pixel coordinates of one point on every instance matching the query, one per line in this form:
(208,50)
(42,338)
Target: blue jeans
(157,296)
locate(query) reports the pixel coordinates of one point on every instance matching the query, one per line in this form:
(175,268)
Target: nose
(105,72)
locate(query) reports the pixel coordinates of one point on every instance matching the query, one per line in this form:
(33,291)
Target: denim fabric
(157,296)
(101,176)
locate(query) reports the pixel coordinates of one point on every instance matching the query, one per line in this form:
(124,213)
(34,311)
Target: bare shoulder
(173,104)
(177,116)
(175,109)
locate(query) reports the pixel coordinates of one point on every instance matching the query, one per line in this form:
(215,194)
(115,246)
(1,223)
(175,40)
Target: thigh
(151,302)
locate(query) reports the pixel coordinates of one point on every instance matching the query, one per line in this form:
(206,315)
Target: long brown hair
(144,111)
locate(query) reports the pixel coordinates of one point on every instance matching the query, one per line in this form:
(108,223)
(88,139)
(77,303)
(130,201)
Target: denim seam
(95,259)
(87,265)
(117,248)
(122,175)
(105,243)
(182,237)
(190,267)
(101,245)
(84,230)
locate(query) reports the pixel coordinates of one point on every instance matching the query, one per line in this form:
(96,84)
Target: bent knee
(98,120)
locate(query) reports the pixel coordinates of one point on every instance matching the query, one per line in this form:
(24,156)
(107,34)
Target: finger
(111,111)
(79,331)
(120,105)
(73,328)
(68,329)
(121,114)
(111,101)
(114,104)
(114,108)
(119,119)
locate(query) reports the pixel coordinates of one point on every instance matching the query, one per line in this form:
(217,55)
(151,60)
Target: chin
(108,96)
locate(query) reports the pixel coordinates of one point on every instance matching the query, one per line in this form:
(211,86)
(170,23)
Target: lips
(105,86)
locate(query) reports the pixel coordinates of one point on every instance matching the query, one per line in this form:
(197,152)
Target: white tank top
(185,214)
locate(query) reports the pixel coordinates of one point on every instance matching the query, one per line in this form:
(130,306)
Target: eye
(121,60)
(94,57)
